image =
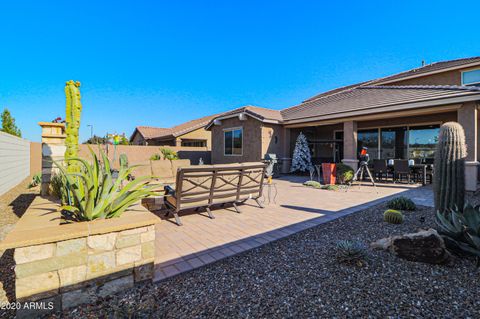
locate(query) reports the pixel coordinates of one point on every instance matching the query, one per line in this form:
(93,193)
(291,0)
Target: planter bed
(298,276)
(68,264)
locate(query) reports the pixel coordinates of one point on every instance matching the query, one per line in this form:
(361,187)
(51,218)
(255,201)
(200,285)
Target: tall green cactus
(73,112)
(449,177)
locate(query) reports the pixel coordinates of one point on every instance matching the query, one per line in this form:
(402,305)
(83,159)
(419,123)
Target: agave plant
(461,229)
(351,252)
(94,193)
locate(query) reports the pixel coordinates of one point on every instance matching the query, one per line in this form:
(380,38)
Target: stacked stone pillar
(53,148)
(350,144)
(468,118)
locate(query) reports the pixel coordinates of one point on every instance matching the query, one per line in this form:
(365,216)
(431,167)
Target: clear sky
(161,63)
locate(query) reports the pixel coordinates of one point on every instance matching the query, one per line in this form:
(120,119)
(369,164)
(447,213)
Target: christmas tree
(302,160)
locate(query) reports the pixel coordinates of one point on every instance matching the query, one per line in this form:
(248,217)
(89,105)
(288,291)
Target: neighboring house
(395,117)
(189,134)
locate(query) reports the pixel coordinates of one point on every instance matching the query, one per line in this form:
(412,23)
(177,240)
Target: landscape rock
(425,246)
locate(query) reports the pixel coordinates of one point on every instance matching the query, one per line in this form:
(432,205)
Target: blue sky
(161,63)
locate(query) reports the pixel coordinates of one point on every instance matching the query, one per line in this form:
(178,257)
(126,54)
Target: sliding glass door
(422,141)
(393,142)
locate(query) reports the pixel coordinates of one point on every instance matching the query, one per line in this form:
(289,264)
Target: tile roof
(149,132)
(371,99)
(259,112)
(416,72)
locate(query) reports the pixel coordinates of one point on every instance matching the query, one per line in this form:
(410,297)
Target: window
(194,143)
(393,143)
(369,139)
(422,141)
(471,78)
(233,141)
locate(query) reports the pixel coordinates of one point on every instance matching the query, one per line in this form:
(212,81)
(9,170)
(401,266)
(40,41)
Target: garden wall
(14,161)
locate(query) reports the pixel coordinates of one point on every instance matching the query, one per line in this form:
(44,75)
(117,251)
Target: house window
(233,141)
(368,139)
(194,143)
(471,78)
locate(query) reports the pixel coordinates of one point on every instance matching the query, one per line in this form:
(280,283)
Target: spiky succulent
(94,193)
(393,216)
(401,203)
(352,252)
(461,229)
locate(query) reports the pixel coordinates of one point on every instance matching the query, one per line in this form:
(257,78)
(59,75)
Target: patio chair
(204,186)
(401,168)
(380,168)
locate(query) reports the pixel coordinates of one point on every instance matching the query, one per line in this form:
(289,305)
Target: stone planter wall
(69,264)
(80,270)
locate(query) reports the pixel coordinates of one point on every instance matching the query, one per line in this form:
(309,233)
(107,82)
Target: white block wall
(14,161)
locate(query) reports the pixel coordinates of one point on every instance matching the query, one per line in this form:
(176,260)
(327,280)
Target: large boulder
(426,246)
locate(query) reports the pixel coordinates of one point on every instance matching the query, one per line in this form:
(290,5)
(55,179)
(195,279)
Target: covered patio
(394,123)
(295,208)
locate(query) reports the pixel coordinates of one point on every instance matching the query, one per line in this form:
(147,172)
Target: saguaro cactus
(449,177)
(73,112)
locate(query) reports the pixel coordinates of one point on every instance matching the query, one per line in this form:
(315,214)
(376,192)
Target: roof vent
(423,63)
(242,117)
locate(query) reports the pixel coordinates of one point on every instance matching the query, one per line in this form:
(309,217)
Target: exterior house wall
(444,78)
(252,137)
(138,139)
(410,120)
(272,137)
(199,134)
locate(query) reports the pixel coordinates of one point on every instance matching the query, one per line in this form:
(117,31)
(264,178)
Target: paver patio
(202,240)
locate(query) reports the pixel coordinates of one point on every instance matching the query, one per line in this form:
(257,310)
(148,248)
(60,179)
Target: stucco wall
(200,134)
(14,161)
(444,78)
(272,137)
(252,137)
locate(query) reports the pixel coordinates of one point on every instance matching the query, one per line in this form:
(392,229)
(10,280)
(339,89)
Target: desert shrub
(461,230)
(330,187)
(313,184)
(344,173)
(393,216)
(36,180)
(351,252)
(169,154)
(401,203)
(156,157)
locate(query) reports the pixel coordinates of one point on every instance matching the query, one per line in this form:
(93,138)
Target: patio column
(467,117)
(53,149)
(178,142)
(350,144)
(286,158)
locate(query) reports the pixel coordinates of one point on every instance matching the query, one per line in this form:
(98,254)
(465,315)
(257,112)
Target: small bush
(313,184)
(169,154)
(330,187)
(351,252)
(155,157)
(36,180)
(393,216)
(401,203)
(344,173)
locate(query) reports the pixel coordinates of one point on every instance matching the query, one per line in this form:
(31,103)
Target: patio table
(423,167)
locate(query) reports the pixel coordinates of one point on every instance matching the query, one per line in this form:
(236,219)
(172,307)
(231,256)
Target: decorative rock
(32,253)
(102,242)
(144,272)
(71,277)
(71,246)
(425,246)
(100,262)
(148,250)
(38,286)
(115,286)
(77,297)
(129,255)
(147,236)
(127,241)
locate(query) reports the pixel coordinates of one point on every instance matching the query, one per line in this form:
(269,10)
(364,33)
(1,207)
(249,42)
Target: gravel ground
(298,276)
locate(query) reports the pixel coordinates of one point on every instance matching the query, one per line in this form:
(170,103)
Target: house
(397,116)
(189,134)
